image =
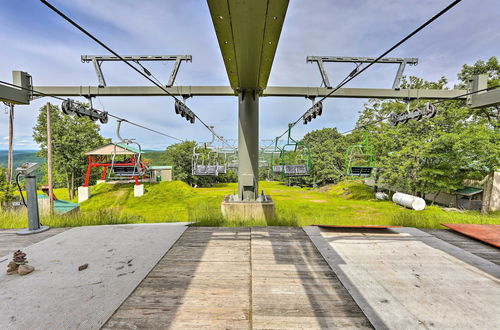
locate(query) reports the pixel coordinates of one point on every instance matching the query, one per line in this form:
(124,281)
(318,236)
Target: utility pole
(10,158)
(49,159)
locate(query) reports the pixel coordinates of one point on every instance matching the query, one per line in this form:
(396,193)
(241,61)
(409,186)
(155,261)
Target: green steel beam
(280,91)
(17,95)
(486,99)
(248,32)
(14,95)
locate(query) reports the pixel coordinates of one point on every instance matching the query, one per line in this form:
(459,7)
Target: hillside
(20,157)
(348,203)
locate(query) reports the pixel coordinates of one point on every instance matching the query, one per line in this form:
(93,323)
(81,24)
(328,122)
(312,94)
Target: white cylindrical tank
(412,202)
(381,196)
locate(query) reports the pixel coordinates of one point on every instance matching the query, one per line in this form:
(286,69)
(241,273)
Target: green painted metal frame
(296,144)
(364,149)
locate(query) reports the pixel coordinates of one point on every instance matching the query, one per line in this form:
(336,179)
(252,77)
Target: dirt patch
(318,201)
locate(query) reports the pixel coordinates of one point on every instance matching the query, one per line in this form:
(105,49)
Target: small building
(161,173)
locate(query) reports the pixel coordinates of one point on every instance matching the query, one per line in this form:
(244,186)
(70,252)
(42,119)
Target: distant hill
(154,156)
(20,157)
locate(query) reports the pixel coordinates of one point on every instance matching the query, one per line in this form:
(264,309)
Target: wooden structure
(103,157)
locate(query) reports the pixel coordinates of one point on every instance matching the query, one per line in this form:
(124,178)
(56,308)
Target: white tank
(412,202)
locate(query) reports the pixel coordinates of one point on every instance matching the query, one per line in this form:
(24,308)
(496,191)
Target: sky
(36,40)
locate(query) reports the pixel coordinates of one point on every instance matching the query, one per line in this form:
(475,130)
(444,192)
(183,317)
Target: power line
(111,115)
(357,73)
(79,27)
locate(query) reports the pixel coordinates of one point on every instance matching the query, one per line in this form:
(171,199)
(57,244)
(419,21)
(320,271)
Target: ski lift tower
(248,33)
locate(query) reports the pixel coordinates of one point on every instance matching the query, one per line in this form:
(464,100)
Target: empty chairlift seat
(205,170)
(278,168)
(361,170)
(221,169)
(126,171)
(296,170)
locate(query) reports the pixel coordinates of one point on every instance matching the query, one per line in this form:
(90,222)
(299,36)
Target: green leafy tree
(71,138)
(491,68)
(6,189)
(327,149)
(180,157)
(431,155)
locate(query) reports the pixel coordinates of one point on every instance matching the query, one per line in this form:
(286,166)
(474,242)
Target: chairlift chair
(131,168)
(202,165)
(359,159)
(301,166)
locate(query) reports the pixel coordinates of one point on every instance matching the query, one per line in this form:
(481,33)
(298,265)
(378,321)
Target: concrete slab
(58,296)
(10,241)
(408,279)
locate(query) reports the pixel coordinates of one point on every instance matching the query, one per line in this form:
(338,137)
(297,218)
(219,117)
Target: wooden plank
(471,245)
(293,287)
(202,282)
(487,233)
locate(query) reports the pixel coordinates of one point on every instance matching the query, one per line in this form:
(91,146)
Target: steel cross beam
(275,91)
(15,95)
(98,59)
(350,59)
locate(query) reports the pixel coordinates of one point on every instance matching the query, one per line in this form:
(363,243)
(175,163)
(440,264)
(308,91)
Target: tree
(71,138)
(6,189)
(491,68)
(327,148)
(180,157)
(431,155)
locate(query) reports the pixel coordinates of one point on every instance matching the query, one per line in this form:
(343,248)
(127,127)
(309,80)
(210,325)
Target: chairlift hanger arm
(97,61)
(350,59)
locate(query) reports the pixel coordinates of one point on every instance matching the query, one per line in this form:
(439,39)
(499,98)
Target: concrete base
(28,231)
(138,190)
(262,209)
(100,181)
(83,194)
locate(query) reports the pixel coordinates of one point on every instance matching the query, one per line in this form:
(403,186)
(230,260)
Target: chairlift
(131,167)
(301,165)
(359,159)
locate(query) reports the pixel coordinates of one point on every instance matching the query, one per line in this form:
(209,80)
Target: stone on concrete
(233,209)
(25,269)
(138,190)
(83,194)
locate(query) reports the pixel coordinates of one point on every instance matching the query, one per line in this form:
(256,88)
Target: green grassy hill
(347,203)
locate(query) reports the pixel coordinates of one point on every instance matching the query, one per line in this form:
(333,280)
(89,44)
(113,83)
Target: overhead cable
(110,115)
(83,30)
(353,75)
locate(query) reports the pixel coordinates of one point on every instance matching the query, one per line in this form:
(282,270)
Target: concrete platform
(10,241)
(58,296)
(408,279)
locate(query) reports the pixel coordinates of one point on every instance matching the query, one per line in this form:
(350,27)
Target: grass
(348,203)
